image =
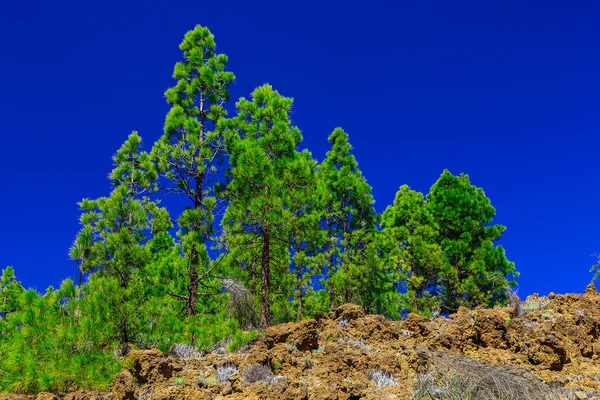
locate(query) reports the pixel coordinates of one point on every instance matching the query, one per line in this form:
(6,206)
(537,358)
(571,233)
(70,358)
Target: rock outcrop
(545,344)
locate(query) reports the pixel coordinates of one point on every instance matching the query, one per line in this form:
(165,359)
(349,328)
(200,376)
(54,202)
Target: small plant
(184,351)
(257,373)
(343,323)
(514,302)
(360,343)
(532,324)
(179,381)
(309,363)
(330,339)
(276,379)
(240,340)
(318,351)
(276,365)
(211,380)
(381,378)
(548,316)
(535,302)
(225,371)
(291,348)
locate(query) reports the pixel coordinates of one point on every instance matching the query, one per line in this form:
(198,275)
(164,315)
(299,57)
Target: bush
(241,339)
(225,371)
(461,378)
(184,351)
(179,381)
(535,302)
(381,378)
(258,373)
(240,306)
(309,363)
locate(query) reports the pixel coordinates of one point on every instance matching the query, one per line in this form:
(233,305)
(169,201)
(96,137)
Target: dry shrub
(225,371)
(536,302)
(461,378)
(381,378)
(241,305)
(184,351)
(514,302)
(258,373)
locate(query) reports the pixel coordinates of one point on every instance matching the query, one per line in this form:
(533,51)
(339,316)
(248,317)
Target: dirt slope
(544,348)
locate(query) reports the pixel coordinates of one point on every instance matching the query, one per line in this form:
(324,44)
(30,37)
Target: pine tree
(117,229)
(268,176)
(307,239)
(414,254)
(46,348)
(191,151)
(475,271)
(10,292)
(347,208)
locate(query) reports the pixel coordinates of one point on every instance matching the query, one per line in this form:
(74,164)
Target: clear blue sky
(507,93)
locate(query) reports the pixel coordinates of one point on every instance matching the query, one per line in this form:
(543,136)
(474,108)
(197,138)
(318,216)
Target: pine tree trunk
(123,338)
(192,298)
(349,278)
(330,281)
(413,272)
(299,287)
(253,266)
(265,305)
(331,271)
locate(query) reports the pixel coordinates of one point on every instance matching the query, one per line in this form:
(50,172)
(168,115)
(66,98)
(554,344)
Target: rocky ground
(543,348)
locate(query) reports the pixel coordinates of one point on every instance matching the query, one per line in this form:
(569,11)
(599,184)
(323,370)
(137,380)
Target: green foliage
(113,242)
(240,339)
(190,155)
(298,238)
(596,268)
(179,381)
(268,178)
(412,251)
(10,292)
(349,221)
(52,343)
(474,271)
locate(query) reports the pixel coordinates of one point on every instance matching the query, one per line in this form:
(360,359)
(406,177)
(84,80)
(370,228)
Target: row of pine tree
(267,235)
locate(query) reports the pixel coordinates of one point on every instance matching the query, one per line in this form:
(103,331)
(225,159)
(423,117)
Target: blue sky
(507,93)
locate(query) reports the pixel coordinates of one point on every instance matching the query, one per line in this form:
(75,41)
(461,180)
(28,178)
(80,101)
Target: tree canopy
(264,233)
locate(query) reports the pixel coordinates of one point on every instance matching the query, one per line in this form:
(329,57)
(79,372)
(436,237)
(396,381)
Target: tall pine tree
(347,215)
(191,152)
(268,177)
(306,239)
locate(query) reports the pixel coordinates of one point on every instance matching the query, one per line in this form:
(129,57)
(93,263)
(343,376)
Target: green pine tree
(191,152)
(306,239)
(475,271)
(414,254)
(347,216)
(268,176)
(115,234)
(10,292)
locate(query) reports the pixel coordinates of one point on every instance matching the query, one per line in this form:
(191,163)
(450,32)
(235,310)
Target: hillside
(542,348)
